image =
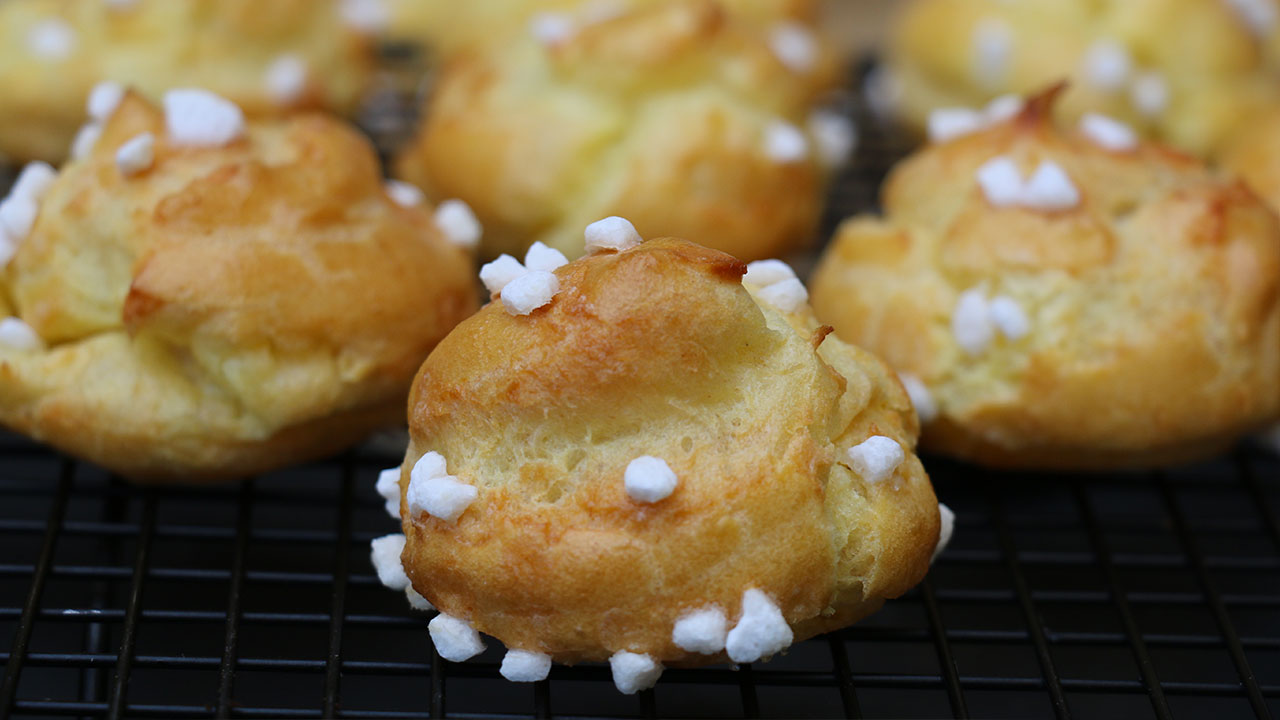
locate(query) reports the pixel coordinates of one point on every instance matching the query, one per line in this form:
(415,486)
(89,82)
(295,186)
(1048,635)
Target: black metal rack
(1132,595)
(1096,596)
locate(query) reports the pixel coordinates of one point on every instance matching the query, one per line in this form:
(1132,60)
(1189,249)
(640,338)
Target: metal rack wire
(1119,595)
(1110,596)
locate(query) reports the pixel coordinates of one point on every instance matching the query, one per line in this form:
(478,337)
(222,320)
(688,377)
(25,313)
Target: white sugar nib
(649,479)
(763,273)
(199,118)
(530,291)
(611,233)
(525,666)
(971,322)
(701,631)
(945,531)
(876,458)
(388,486)
(541,257)
(761,630)
(17,335)
(788,295)
(385,556)
(499,273)
(459,223)
(633,672)
(454,638)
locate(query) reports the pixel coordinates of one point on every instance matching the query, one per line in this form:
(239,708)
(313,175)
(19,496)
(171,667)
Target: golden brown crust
(228,310)
(155,45)
(1154,327)
(1254,154)
(1211,63)
(661,351)
(659,116)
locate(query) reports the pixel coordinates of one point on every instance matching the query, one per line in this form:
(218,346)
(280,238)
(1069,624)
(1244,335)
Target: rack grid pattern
(1123,595)
(1134,595)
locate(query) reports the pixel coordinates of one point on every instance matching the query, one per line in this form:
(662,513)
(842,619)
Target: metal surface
(1100,596)
(1135,595)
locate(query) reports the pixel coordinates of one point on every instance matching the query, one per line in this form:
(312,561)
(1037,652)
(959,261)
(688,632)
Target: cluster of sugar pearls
(946,124)
(103,100)
(761,630)
(198,118)
(649,479)
(876,458)
(926,407)
(19,209)
(1108,133)
(975,320)
(384,553)
(1108,65)
(453,218)
(1048,189)
(777,285)
(433,491)
(524,287)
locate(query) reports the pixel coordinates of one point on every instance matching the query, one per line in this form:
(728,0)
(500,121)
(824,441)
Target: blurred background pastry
(267,57)
(1254,154)
(445,26)
(199,297)
(1065,298)
(658,439)
(1187,72)
(678,116)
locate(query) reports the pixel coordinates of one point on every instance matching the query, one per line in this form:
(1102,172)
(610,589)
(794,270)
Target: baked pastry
(447,26)
(660,464)
(200,298)
(268,57)
(1065,298)
(674,116)
(1254,154)
(1182,71)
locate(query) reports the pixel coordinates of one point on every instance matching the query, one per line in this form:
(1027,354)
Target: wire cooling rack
(1089,596)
